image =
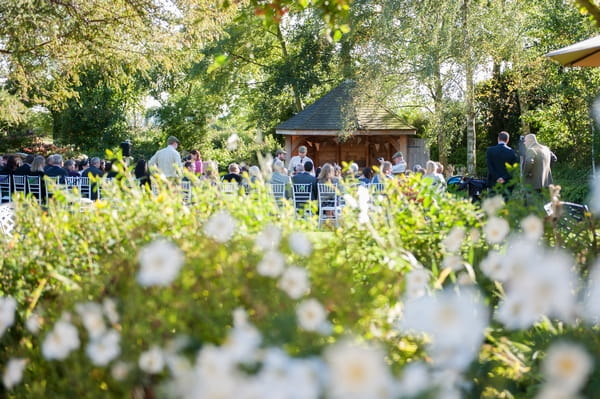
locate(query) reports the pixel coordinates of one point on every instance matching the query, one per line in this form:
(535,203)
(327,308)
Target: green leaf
(219,61)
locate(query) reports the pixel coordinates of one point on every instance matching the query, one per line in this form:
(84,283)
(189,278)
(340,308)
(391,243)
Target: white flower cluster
(13,373)
(347,370)
(362,202)
(8,306)
(220,226)
(160,262)
(62,340)
(566,368)
(455,321)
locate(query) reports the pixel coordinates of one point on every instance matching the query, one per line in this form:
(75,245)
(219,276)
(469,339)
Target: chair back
(34,186)
(52,185)
(186,191)
(5,188)
(329,202)
(302,194)
(20,184)
(85,187)
(277,190)
(229,188)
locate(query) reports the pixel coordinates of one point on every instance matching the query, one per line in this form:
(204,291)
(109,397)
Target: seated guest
(71,168)
(94,168)
(254,174)
(190,168)
(304,177)
(367,176)
(55,167)
(327,175)
(83,164)
(280,177)
(13,163)
(210,172)
(385,173)
(233,175)
(37,169)
(433,177)
(24,169)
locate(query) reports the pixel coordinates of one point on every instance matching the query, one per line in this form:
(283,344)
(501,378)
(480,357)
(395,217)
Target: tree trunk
(438,109)
(470,93)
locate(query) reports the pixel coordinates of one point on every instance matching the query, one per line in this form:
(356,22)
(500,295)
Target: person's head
(70,165)
(84,163)
(439,168)
(95,162)
(29,159)
(233,168)
(368,173)
(2,160)
(281,154)
(299,168)
(530,140)
(308,166)
(211,170)
(503,137)
(13,162)
(173,141)
(353,168)
(254,172)
(56,159)
(386,168)
(302,150)
(397,157)
(418,169)
(430,167)
(278,166)
(189,166)
(38,164)
(195,155)
(327,173)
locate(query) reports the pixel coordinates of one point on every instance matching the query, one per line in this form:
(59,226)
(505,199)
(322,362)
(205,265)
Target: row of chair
(43,189)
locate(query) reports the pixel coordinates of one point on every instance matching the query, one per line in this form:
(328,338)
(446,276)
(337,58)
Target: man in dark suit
(304,176)
(497,157)
(24,169)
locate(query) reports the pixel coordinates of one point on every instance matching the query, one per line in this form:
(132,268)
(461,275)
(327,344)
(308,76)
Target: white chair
(85,188)
(71,182)
(186,191)
(52,185)
(5,188)
(302,194)
(277,191)
(20,184)
(7,219)
(229,188)
(34,186)
(329,203)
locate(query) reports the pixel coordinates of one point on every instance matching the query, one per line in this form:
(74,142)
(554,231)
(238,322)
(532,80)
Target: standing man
(536,168)
(280,154)
(301,158)
(168,160)
(399,163)
(497,157)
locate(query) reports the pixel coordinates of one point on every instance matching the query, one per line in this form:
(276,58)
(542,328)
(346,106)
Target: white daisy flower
(233,141)
(533,227)
(13,373)
(109,306)
(554,391)
(453,262)
(311,315)
(34,323)
(160,262)
(567,365)
(496,230)
(454,239)
(220,226)
(62,340)
(152,361)
(357,372)
(120,370)
(272,264)
(269,238)
(492,205)
(493,267)
(8,306)
(104,349)
(294,282)
(417,282)
(92,318)
(300,244)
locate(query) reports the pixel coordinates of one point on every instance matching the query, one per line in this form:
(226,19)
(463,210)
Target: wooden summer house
(338,127)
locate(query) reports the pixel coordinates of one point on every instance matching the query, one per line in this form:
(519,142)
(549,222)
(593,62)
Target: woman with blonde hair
(433,177)
(327,175)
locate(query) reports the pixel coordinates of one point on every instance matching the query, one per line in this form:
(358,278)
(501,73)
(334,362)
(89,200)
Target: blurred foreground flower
(271,265)
(152,361)
(160,262)
(233,142)
(567,366)
(220,227)
(533,227)
(13,373)
(102,350)
(492,205)
(294,282)
(496,230)
(7,313)
(357,372)
(269,238)
(300,244)
(60,341)
(311,315)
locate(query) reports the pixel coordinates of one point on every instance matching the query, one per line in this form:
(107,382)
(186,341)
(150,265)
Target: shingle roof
(339,110)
